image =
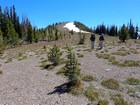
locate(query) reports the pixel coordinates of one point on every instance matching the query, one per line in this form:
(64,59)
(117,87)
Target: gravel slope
(24,83)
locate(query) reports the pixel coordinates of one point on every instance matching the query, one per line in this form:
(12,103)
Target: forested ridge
(15,31)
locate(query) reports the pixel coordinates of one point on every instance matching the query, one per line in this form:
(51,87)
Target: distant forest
(112,30)
(13,32)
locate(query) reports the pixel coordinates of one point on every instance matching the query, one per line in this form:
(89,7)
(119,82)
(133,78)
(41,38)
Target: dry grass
(80,55)
(42,65)
(22,58)
(121,53)
(50,67)
(133,93)
(105,56)
(62,61)
(44,61)
(1,72)
(133,81)
(9,60)
(61,71)
(129,63)
(77,89)
(111,83)
(91,93)
(87,78)
(112,59)
(119,100)
(103,102)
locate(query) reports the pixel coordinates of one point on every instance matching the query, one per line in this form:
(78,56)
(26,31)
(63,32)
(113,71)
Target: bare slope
(24,82)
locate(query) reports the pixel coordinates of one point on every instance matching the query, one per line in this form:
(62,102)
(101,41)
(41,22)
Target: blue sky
(90,12)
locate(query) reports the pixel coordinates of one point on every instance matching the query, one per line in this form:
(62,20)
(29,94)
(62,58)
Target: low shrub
(110,83)
(1,72)
(51,67)
(103,102)
(87,78)
(44,61)
(119,100)
(42,65)
(91,93)
(62,61)
(77,88)
(22,58)
(9,60)
(54,55)
(61,71)
(105,56)
(133,81)
(131,63)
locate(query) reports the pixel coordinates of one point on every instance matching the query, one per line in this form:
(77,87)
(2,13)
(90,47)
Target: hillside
(23,80)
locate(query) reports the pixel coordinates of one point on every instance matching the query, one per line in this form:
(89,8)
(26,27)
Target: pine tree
(56,34)
(12,35)
(54,55)
(29,33)
(1,15)
(1,37)
(131,29)
(35,35)
(82,38)
(71,67)
(123,34)
(4,23)
(112,31)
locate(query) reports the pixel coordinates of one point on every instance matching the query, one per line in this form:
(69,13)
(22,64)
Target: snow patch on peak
(71,27)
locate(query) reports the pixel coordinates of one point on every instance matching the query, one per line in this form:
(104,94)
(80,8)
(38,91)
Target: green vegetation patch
(9,60)
(133,93)
(91,93)
(44,61)
(1,72)
(77,89)
(119,100)
(112,59)
(61,71)
(121,53)
(111,83)
(103,102)
(133,81)
(22,58)
(87,78)
(51,67)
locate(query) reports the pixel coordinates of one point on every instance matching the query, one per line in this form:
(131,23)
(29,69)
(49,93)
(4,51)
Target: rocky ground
(24,82)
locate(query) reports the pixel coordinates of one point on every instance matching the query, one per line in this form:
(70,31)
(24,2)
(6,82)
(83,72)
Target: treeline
(13,32)
(113,30)
(81,26)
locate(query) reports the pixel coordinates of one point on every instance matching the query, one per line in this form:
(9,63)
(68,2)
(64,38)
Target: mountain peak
(71,26)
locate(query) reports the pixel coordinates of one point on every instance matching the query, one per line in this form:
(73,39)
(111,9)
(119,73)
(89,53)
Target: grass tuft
(77,89)
(87,78)
(110,83)
(9,60)
(61,71)
(119,100)
(103,102)
(133,81)
(51,67)
(91,93)
(1,72)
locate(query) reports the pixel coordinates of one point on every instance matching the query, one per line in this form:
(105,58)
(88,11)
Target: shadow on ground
(64,88)
(47,66)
